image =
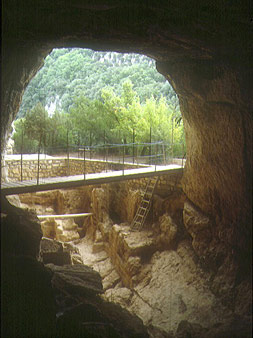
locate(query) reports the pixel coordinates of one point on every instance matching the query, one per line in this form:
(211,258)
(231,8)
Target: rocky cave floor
(107,277)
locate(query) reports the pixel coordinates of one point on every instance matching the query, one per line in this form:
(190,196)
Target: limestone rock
(84,320)
(66,230)
(48,228)
(168,230)
(186,329)
(99,319)
(76,279)
(56,258)
(243,304)
(127,324)
(124,202)
(119,295)
(20,232)
(106,268)
(175,289)
(140,242)
(73,252)
(14,200)
(50,245)
(58,253)
(156,332)
(27,297)
(111,280)
(172,204)
(199,226)
(74,200)
(100,204)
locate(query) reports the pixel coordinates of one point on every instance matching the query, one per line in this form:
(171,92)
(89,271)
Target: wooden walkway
(12,188)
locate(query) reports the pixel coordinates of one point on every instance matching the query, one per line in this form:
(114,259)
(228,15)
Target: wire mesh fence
(83,159)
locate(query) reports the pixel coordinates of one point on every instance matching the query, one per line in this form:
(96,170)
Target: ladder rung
(140,214)
(144,205)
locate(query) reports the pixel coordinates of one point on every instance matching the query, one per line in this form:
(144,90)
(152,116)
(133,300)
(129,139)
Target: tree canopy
(69,73)
(97,98)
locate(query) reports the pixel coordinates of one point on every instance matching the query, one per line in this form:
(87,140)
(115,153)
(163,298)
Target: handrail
(152,154)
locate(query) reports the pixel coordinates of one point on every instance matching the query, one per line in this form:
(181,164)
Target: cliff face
(172,274)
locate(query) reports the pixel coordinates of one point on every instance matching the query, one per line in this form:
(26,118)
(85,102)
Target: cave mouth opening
(58,88)
(117,282)
(81,96)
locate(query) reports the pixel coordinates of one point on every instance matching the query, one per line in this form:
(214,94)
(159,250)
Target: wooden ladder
(145,205)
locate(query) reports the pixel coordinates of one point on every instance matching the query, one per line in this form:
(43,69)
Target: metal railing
(125,155)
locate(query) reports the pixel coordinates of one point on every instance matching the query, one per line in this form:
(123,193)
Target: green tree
(69,73)
(36,124)
(22,143)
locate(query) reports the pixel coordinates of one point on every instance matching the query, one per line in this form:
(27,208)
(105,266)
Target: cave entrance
(84,97)
(122,257)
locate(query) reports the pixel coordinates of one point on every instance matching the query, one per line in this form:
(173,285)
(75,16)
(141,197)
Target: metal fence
(136,154)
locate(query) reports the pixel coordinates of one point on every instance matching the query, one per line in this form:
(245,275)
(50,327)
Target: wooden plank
(64,216)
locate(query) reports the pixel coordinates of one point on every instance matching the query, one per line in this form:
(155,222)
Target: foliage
(36,124)
(22,143)
(98,97)
(69,73)
(119,118)
(112,119)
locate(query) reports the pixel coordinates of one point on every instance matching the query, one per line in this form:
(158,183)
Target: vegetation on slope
(86,97)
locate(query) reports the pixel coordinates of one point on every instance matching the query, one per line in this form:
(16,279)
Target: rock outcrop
(53,300)
(59,202)
(59,253)
(24,279)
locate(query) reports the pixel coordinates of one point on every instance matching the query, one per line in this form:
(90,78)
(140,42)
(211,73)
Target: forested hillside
(99,97)
(69,73)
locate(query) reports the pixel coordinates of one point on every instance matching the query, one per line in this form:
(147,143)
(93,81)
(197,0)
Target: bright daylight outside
(82,99)
(97,154)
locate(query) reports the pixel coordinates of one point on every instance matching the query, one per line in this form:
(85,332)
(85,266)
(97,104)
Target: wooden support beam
(64,216)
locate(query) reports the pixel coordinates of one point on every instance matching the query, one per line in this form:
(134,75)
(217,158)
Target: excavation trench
(154,273)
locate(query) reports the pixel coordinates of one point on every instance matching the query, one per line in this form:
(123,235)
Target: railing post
(90,145)
(172,139)
(133,143)
(183,156)
(164,155)
(150,150)
(21,166)
(38,172)
(21,160)
(123,161)
(137,154)
(119,155)
(67,153)
(155,156)
(84,162)
(78,141)
(104,146)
